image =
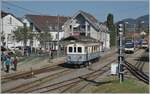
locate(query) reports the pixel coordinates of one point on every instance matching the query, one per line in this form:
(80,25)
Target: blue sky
(100,9)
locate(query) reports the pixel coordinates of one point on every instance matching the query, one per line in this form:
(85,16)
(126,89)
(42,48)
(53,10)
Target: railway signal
(120,53)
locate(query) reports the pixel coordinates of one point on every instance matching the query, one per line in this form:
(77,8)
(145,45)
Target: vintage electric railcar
(79,53)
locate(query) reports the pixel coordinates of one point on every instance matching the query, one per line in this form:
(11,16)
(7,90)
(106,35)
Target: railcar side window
(70,49)
(74,49)
(86,49)
(92,49)
(79,49)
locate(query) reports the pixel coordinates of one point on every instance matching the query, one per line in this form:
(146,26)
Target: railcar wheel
(79,66)
(86,64)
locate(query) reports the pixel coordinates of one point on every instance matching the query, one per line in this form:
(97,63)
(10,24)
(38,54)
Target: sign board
(114,68)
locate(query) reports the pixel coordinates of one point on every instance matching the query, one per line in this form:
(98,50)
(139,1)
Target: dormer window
(50,28)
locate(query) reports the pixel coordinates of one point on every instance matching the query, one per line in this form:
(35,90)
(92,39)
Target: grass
(128,86)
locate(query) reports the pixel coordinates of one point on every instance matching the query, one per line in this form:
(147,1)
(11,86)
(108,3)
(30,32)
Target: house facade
(44,23)
(82,23)
(10,23)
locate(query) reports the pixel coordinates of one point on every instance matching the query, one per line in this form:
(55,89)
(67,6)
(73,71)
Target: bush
(18,53)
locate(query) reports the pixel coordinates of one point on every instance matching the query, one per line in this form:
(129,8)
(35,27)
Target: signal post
(120,53)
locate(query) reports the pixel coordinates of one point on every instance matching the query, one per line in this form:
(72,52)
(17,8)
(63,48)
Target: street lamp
(142,22)
(58,42)
(142,31)
(125,30)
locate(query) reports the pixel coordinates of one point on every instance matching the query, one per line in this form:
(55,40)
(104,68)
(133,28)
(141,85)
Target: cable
(11,4)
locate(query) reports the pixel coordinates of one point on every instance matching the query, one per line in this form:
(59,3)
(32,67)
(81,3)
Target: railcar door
(86,51)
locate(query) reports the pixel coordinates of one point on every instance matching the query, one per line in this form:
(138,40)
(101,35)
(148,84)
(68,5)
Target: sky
(100,9)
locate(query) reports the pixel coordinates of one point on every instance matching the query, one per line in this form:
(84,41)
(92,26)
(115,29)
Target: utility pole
(58,36)
(120,54)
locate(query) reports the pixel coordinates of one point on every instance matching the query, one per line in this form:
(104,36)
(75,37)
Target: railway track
(83,83)
(27,86)
(137,73)
(73,81)
(29,74)
(134,69)
(63,86)
(79,87)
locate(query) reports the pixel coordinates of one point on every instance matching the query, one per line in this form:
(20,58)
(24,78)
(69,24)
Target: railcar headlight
(68,58)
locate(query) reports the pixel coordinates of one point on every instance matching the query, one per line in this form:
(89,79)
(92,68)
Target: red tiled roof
(43,22)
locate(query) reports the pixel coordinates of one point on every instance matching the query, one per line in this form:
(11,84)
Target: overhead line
(11,4)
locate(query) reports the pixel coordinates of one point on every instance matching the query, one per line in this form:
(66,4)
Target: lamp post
(58,48)
(142,31)
(125,30)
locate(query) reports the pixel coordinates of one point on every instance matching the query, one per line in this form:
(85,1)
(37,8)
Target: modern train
(79,53)
(129,47)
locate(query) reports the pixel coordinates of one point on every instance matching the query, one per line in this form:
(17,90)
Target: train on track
(81,53)
(129,47)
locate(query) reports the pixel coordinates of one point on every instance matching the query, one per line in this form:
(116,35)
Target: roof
(3,14)
(84,44)
(80,38)
(90,18)
(43,22)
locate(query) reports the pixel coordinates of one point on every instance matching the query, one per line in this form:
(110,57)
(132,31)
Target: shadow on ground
(95,82)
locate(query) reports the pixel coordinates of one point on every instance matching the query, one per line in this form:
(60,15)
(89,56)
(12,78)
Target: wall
(10,24)
(94,34)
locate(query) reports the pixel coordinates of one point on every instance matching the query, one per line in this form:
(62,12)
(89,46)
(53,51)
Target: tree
(111,27)
(2,39)
(23,34)
(44,38)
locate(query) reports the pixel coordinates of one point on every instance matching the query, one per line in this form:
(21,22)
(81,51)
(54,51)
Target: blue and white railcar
(82,53)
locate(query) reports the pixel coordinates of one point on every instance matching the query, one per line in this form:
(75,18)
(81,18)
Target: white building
(9,24)
(44,23)
(87,25)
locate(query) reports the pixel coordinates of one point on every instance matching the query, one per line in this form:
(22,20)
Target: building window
(9,38)
(31,26)
(10,20)
(56,36)
(50,27)
(79,49)
(70,49)
(88,27)
(92,49)
(70,27)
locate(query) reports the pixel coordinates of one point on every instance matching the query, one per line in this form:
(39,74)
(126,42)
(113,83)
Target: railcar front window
(70,49)
(79,49)
(129,46)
